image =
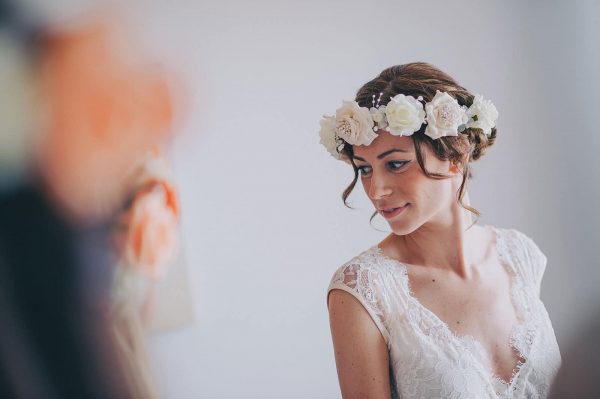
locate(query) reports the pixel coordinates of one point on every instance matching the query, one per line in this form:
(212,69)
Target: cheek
(426,187)
(427,193)
(410,184)
(366,184)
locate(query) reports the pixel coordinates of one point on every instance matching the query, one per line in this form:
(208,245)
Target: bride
(443,307)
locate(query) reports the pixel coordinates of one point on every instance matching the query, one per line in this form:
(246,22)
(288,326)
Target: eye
(396,165)
(364,170)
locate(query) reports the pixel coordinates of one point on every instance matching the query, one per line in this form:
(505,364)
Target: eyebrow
(383,154)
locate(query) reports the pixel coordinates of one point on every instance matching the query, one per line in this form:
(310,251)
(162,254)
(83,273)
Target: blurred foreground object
(146,241)
(102,106)
(18,103)
(54,330)
(151,272)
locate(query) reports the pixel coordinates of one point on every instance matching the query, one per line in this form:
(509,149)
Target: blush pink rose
(151,240)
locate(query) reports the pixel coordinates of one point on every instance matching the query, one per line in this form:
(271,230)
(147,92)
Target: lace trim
(522,331)
(522,334)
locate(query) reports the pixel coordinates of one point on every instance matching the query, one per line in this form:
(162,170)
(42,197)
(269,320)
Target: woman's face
(398,187)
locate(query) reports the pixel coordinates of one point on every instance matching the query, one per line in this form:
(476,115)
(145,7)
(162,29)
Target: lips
(390,212)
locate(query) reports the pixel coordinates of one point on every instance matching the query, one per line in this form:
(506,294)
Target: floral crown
(403,116)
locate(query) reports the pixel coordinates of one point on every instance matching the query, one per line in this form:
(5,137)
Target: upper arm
(361,353)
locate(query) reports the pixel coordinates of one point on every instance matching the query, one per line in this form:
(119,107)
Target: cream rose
(405,115)
(444,116)
(482,114)
(354,124)
(151,241)
(327,134)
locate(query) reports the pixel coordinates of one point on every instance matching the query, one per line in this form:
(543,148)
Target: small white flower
(327,134)
(378,115)
(444,116)
(405,115)
(354,124)
(482,114)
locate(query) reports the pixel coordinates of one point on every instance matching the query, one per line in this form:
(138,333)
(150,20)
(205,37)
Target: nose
(379,187)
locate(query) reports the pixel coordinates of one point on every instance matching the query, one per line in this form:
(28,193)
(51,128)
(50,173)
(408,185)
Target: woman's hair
(423,79)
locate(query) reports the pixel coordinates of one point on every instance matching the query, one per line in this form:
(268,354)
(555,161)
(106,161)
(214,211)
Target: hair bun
(479,141)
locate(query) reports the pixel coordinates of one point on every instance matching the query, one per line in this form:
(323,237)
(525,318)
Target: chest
(480,306)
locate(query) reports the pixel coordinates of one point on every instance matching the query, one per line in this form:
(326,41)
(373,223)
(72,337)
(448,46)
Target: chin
(403,228)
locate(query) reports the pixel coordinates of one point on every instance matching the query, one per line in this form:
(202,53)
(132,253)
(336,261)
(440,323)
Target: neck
(448,242)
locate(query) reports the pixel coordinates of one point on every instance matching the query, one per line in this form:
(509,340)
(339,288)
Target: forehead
(382,143)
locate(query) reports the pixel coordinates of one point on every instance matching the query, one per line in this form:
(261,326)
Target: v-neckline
(461,339)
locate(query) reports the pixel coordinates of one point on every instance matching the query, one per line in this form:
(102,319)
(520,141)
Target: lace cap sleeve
(532,260)
(363,281)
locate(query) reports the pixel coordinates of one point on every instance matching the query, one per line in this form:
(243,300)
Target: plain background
(264,227)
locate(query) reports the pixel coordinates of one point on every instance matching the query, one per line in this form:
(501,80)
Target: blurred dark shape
(54,340)
(579,375)
(3,12)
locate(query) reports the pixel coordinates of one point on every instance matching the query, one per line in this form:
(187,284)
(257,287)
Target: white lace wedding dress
(427,360)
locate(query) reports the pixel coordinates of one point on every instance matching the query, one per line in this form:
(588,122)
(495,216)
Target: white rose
(378,115)
(354,124)
(482,114)
(405,115)
(327,134)
(444,116)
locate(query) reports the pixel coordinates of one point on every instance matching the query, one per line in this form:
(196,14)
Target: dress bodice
(427,360)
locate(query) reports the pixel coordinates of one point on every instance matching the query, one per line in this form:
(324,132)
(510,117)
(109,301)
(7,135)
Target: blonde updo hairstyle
(423,79)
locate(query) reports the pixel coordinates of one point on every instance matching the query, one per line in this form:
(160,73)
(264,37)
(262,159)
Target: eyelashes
(392,166)
(395,165)
(364,170)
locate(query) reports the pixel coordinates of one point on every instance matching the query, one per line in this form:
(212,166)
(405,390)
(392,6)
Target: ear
(457,167)
(454,168)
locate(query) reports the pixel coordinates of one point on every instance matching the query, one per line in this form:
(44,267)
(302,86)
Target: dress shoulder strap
(363,278)
(529,261)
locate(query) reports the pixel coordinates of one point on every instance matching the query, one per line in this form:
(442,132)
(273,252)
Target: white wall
(560,40)
(264,226)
